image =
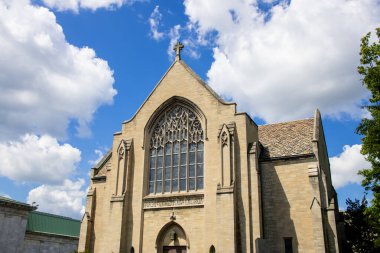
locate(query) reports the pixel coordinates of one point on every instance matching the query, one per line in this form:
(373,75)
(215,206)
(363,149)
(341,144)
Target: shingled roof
(288,139)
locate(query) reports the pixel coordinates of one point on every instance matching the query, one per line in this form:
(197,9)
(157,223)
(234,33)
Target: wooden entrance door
(174,249)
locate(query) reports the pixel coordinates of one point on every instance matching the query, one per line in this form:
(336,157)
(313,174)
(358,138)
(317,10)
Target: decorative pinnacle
(177,48)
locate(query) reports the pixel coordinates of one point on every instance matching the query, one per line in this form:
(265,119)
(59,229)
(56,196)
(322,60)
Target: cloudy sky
(72,71)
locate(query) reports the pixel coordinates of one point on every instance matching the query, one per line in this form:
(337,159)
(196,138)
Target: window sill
(177,194)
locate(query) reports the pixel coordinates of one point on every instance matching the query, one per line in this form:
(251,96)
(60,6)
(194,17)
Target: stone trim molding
(117,198)
(313,171)
(164,202)
(224,190)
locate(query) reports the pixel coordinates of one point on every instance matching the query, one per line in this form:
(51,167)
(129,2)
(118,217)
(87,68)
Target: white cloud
(99,157)
(5,195)
(345,167)
(37,159)
(66,199)
(283,64)
(45,82)
(154,22)
(75,5)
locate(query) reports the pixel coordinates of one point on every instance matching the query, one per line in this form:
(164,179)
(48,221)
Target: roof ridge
(286,122)
(55,215)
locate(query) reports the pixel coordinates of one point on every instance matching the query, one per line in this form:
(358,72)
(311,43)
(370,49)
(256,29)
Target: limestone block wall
(41,243)
(287,197)
(12,229)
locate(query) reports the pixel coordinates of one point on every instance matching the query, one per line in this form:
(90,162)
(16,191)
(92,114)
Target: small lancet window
(176,152)
(212,249)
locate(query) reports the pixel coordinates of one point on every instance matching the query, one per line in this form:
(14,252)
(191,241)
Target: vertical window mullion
(171,167)
(163,167)
(187,154)
(196,165)
(164,157)
(155,171)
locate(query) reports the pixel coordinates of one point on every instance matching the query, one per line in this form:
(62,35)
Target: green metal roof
(52,224)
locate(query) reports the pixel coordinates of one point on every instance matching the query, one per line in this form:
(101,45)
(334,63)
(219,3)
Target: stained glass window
(176,152)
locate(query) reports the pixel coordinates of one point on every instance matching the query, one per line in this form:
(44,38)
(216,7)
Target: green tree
(370,127)
(360,232)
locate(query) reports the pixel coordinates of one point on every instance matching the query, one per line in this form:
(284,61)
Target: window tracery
(176,152)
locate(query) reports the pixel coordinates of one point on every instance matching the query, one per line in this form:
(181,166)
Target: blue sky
(72,71)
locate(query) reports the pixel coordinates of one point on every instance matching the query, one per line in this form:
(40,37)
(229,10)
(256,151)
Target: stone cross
(177,48)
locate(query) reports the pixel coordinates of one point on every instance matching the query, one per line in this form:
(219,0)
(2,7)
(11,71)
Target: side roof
(99,168)
(16,204)
(52,224)
(287,140)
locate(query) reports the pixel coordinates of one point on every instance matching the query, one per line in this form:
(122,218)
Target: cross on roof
(177,48)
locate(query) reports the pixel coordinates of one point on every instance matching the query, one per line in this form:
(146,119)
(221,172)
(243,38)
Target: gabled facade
(188,173)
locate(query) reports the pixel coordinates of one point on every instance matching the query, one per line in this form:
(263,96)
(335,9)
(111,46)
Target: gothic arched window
(176,152)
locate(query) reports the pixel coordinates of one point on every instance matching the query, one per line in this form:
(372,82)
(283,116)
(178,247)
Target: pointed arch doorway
(172,239)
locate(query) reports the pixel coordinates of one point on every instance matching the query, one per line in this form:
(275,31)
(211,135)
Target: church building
(189,174)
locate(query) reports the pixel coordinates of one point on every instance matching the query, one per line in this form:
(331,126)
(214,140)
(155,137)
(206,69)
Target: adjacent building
(24,230)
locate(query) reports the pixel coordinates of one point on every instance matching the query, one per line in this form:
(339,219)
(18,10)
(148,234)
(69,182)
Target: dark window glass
(191,170)
(167,185)
(167,172)
(168,160)
(176,148)
(200,157)
(151,187)
(159,174)
(168,149)
(175,160)
(152,175)
(191,183)
(288,245)
(183,184)
(191,157)
(159,186)
(159,161)
(175,172)
(175,185)
(200,170)
(200,183)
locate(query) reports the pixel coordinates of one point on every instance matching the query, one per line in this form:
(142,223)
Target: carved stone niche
(226,139)
(123,166)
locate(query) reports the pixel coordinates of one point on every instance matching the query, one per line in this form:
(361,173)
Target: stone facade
(258,188)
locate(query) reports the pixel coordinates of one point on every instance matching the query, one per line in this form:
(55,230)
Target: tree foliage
(360,233)
(370,127)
